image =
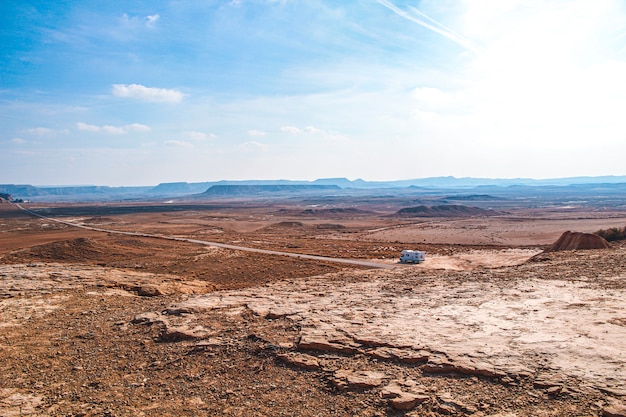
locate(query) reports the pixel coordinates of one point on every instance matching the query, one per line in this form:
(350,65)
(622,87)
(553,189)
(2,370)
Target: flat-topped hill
(260,189)
(446,210)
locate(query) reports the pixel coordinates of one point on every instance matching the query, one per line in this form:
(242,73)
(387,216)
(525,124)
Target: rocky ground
(123,331)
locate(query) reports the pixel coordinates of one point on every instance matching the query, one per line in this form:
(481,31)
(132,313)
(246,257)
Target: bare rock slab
(300,360)
(438,365)
(357,380)
(400,399)
(151,291)
(148,319)
(408,356)
(407,401)
(615,409)
(325,345)
(180,333)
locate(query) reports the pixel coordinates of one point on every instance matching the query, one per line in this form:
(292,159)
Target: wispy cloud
(312,130)
(152,20)
(253,146)
(18,141)
(149,21)
(113,130)
(151,94)
(44,131)
(420,18)
(179,144)
(195,135)
(291,129)
(256,133)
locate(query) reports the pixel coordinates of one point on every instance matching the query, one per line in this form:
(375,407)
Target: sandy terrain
(99,324)
(502,231)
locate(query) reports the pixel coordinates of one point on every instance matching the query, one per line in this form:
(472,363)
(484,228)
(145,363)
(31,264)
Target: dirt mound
(80,249)
(330,226)
(577,240)
(285,225)
(335,211)
(447,210)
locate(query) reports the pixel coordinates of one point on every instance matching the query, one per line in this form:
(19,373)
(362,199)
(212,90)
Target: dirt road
(368,264)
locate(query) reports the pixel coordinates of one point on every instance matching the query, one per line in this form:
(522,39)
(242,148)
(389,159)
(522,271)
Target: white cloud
(256,133)
(547,79)
(425,116)
(179,144)
(151,94)
(253,146)
(18,141)
(290,129)
(137,127)
(434,101)
(314,131)
(431,95)
(311,129)
(195,135)
(152,20)
(44,131)
(87,128)
(134,22)
(128,21)
(417,16)
(113,130)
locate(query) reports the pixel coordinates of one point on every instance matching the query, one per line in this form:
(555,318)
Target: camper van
(412,256)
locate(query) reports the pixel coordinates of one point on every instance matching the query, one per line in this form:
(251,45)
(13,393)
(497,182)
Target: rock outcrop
(577,241)
(445,210)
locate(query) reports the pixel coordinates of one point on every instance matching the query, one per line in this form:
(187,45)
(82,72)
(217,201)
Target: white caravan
(412,256)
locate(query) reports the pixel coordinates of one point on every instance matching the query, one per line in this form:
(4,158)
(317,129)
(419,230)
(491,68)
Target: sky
(143,92)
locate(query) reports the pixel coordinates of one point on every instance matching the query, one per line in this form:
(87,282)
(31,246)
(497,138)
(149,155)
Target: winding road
(368,264)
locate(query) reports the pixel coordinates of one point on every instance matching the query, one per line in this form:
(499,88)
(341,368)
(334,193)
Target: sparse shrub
(612,234)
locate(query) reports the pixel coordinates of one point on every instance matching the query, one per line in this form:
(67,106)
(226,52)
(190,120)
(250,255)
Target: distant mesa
(447,210)
(234,190)
(334,211)
(179,188)
(457,189)
(20,190)
(472,197)
(577,241)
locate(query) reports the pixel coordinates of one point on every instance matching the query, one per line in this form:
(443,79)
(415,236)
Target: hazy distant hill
(180,188)
(70,193)
(245,190)
(471,197)
(452,210)
(22,190)
(442,185)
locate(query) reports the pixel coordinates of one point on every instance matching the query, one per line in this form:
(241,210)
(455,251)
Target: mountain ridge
(181,189)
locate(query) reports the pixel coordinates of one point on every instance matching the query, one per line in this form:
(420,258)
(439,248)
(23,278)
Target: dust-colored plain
(99,323)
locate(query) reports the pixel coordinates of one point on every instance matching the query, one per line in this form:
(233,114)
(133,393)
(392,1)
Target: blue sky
(138,93)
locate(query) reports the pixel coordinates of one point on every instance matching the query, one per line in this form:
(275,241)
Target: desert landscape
(319,208)
(297,306)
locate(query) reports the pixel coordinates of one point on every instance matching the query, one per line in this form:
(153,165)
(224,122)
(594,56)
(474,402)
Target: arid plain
(100,323)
